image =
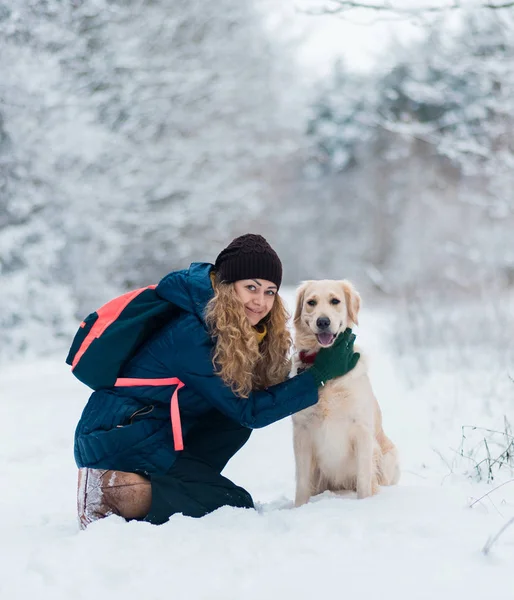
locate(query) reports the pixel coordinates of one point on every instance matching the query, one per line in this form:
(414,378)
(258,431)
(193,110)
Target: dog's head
(324,309)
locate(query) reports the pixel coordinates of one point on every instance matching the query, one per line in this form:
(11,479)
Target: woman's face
(257,296)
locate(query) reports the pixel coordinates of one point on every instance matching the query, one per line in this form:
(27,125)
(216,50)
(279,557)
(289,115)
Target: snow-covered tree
(136,136)
(426,146)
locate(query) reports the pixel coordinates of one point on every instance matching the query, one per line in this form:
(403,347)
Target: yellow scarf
(260,332)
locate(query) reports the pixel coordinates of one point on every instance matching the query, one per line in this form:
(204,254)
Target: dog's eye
(335,301)
(311,302)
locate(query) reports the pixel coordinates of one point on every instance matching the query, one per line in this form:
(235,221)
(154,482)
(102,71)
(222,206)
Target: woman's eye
(252,288)
(311,302)
(335,301)
(270,293)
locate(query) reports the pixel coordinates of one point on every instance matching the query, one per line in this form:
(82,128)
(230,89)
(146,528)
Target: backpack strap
(174,410)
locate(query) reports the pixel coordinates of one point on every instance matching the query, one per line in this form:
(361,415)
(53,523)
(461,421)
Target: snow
(418,540)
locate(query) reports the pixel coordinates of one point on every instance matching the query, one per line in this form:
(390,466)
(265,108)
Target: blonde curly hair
(239,359)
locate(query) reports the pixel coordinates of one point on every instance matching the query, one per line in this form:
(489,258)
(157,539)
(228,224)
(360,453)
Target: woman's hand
(335,361)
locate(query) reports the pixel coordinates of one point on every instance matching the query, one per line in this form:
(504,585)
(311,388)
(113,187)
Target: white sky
(360,38)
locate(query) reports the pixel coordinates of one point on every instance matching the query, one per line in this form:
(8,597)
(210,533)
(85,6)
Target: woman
(229,345)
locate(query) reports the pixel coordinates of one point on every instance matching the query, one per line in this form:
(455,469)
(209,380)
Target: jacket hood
(189,289)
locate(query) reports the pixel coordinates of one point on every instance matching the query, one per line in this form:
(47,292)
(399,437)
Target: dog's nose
(323,322)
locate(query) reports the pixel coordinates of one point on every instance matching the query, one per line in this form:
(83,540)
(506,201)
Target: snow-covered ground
(418,540)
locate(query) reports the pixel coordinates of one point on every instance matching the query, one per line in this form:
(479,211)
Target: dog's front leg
(304,459)
(363,440)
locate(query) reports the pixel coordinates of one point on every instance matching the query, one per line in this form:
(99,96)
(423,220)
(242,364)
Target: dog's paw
(367,489)
(301,500)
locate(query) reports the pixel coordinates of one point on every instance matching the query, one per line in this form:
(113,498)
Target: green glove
(335,361)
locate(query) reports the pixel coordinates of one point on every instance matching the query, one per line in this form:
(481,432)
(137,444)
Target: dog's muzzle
(324,336)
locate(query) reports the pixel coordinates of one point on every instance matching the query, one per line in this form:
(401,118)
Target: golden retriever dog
(339,443)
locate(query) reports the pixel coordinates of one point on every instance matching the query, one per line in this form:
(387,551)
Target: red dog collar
(307,359)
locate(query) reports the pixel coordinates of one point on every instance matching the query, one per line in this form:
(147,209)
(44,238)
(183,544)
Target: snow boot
(102,493)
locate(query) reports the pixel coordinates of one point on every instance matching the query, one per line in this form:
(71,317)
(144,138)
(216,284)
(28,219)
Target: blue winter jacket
(129,429)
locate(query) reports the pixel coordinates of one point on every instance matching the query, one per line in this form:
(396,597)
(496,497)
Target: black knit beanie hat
(249,256)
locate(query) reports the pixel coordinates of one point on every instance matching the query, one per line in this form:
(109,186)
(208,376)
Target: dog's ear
(300,295)
(353,301)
